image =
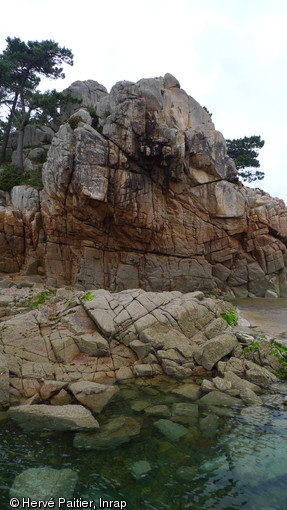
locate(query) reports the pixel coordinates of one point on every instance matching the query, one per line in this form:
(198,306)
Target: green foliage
(21,67)
(87,297)
(207,111)
(251,348)
(231,316)
(280,352)
(46,107)
(69,302)
(95,119)
(244,155)
(10,176)
(42,158)
(33,178)
(74,121)
(39,299)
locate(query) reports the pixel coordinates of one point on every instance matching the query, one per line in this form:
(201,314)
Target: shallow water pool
(237,460)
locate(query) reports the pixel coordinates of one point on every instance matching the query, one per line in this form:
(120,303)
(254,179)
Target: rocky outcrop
(137,194)
(70,349)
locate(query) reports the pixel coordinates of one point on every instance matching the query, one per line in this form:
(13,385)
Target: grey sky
(229,55)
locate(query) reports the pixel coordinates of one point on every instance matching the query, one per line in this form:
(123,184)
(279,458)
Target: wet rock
(249,397)
(43,484)
(45,417)
(158,410)
(217,398)
(118,431)
(186,473)
(209,425)
(171,430)
(140,469)
(185,409)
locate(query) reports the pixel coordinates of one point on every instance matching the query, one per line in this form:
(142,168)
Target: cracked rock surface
(137,193)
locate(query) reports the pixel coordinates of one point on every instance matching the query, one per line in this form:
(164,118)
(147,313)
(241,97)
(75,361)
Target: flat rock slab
(93,395)
(43,484)
(217,398)
(118,431)
(188,391)
(60,418)
(171,430)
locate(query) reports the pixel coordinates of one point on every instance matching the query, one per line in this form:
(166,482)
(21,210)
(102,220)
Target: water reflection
(268,315)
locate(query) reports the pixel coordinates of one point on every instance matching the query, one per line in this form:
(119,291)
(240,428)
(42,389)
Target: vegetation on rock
(21,66)
(231,316)
(244,155)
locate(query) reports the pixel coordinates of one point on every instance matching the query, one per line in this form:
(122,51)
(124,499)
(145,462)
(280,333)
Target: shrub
(74,121)
(10,176)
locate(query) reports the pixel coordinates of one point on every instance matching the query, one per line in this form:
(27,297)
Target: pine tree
(244,155)
(21,67)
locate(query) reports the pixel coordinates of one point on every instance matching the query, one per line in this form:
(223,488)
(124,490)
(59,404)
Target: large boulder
(213,350)
(45,417)
(44,484)
(116,432)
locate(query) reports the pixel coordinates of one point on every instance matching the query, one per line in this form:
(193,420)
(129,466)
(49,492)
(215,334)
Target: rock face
(136,194)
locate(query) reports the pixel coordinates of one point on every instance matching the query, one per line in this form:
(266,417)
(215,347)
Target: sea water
(239,462)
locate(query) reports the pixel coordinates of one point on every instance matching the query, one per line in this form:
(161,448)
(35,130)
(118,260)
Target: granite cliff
(137,193)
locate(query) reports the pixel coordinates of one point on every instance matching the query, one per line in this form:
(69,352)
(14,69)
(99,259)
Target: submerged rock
(116,432)
(43,484)
(140,469)
(189,391)
(217,398)
(171,430)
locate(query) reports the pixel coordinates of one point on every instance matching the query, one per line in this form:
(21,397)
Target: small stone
(140,469)
(207,386)
(222,384)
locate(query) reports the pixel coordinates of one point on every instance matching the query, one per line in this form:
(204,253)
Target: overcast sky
(230,55)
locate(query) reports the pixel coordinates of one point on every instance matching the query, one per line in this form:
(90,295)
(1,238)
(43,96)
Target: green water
(241,465)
